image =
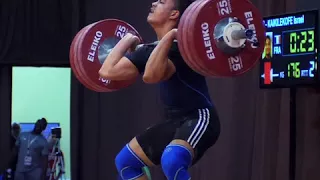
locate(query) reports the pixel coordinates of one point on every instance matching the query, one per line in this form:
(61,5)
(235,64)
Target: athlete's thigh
(154,139)
(200,130)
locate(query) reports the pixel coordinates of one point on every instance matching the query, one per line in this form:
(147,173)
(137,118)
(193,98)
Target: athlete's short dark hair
(182,5)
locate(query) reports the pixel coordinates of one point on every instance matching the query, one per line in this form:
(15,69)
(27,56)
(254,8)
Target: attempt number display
(290,54)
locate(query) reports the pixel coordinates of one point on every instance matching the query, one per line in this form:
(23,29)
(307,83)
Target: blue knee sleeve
(129,164)
(175,161)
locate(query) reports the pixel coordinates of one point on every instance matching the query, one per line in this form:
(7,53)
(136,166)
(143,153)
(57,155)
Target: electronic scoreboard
(290,54)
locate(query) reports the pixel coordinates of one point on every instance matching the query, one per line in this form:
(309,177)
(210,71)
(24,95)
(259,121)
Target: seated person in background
(32,150)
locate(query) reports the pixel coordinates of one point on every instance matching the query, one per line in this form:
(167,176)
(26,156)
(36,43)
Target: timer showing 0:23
(298,42)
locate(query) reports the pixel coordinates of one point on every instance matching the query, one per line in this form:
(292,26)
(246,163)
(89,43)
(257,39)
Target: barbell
(216,38)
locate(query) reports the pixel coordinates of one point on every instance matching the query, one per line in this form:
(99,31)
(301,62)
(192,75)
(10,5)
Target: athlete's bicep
(126,68)
(123,70)
(129,66)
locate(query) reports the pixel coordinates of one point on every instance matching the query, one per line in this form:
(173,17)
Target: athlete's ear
(175,14)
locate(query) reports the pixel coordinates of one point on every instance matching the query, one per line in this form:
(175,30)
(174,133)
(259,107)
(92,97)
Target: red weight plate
(181,31)
(186,44)
(75,62)
(190,45)
(193,51)
(73,56)
(93,50)
(72,53)
(83,76)
(90,84)
(207,18)
(85,81)
(182,38)
(203,70)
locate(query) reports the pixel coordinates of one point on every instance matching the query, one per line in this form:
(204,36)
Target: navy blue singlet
(186,89)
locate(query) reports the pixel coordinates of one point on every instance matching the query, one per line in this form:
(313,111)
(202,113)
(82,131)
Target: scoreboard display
(290,54)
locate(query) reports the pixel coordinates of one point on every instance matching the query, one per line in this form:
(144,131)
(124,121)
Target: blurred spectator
(32,150)
(15,132)
(9,170)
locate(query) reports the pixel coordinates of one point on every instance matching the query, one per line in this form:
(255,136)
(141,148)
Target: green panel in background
(43,92)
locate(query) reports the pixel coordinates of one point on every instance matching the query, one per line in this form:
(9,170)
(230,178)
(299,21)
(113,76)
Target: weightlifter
(192,124)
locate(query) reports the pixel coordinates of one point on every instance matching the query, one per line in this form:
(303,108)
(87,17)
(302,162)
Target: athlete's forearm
(118,52)
(158,61)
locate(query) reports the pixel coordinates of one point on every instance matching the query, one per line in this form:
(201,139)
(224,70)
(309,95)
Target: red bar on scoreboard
(267,75)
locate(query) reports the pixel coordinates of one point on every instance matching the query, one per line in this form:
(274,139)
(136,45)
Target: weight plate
(183,40)
(95,46)
(209,55)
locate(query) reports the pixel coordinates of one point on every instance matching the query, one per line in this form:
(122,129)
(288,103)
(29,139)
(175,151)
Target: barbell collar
(242,34)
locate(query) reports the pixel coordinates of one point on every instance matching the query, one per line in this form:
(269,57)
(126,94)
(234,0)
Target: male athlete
(192,124)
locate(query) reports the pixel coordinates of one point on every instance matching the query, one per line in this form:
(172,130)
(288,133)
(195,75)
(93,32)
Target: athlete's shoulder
(145,48)
(140,56)
(141,53)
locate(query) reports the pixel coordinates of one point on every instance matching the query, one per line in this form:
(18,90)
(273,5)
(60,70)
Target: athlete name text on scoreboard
(290,53)
(284,21)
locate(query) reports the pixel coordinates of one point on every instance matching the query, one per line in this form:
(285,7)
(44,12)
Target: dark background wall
(308,136)
(254,143)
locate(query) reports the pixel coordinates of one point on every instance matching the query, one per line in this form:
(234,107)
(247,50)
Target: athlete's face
(268,47)
(162,11)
